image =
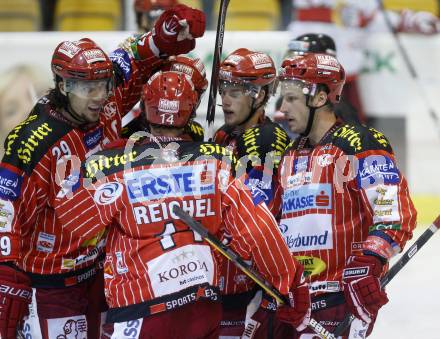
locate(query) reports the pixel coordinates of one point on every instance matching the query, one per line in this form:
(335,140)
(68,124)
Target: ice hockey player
(345,206)
(161,278)
(75,119)
(195,69)
(247,81)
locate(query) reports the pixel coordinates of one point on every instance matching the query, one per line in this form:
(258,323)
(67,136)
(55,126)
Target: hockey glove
(362,290)
(298,312)
(15,297)
(176,29)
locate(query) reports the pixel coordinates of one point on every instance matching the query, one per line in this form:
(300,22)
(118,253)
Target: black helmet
(312,43)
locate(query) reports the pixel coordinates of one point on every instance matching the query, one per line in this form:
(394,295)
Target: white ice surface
(413,311)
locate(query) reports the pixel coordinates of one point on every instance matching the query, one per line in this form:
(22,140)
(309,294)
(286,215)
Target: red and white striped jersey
(151,253)
(267,139)
(334,195)
(31,235)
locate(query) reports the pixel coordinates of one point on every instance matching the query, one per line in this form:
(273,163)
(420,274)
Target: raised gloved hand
(362,286)
(176,29)
(298,312)
(15,297)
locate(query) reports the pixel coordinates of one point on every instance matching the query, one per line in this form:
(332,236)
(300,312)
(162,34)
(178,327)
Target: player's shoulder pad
(30,140)
(195,131)
(355,139)
(262,139)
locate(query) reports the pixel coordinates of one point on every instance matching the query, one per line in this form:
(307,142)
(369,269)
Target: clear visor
(87,89)
(296,85)
(236,89)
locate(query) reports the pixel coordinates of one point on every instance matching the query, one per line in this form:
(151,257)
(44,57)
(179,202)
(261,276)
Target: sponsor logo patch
(307,197)
(308,232)
(376,170)
(168,106)
(355,272)
(108,193)
(93,55)
(68,48)
(312,265)
(121,267)
(176,270)
(68,327)
(92,139)
(45,242)
(122,59)
(158,183)
(327,62)
(261,60)
(10,184)
(6,215)
(183,69)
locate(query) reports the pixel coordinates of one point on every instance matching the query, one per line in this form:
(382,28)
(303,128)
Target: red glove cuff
(379,246)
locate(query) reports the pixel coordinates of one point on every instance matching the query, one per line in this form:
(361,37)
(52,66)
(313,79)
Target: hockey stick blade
(392,272)
(210,114)
(246,268)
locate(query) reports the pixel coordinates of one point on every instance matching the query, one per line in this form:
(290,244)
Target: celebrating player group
(90,242)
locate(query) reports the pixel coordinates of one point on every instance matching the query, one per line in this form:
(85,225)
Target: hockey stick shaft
(409,65)
(210,115)
(246,268)
(392,272)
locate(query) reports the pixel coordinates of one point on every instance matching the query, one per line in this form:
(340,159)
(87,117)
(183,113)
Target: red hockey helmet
(148,5)
(81,60)
(249,69)
(169,99)
(193,67)
(312,69)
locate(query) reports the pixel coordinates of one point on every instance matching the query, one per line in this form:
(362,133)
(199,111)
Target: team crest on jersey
(110,109)
(324,160)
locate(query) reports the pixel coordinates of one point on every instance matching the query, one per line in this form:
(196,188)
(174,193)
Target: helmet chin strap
(252,112)
(312,111)
(311,118)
